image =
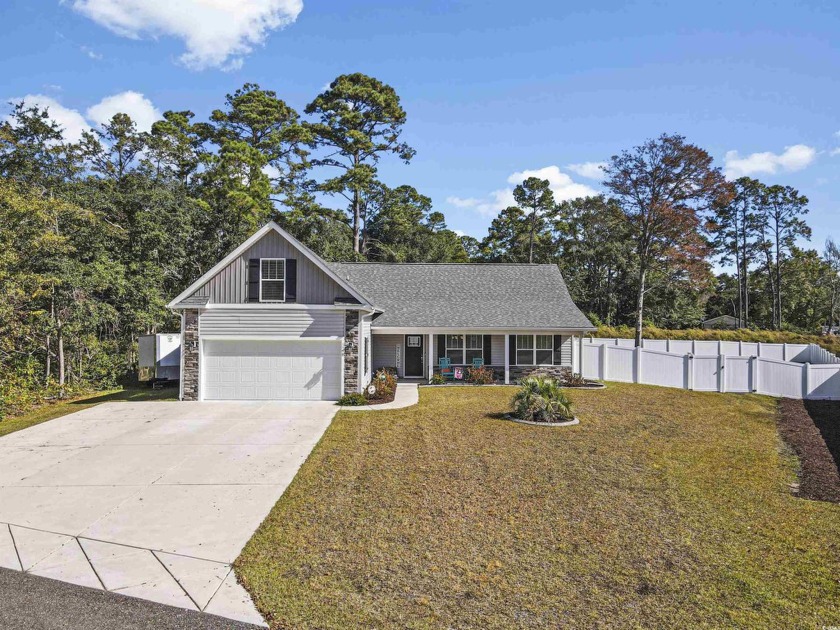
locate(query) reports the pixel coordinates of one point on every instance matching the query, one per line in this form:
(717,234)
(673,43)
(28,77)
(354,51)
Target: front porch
(512,355)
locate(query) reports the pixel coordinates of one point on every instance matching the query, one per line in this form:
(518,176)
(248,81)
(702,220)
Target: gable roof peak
(243,247)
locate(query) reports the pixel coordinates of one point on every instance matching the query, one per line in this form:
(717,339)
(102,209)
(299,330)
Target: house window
(534,349)
(475,348)
(462,349)
(545,350)
(455,348)
(524,349)
(272,280)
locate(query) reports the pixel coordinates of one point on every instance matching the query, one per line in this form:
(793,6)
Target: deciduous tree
(663,186)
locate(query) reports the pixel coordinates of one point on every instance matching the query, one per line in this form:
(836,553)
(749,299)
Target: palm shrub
(541,399)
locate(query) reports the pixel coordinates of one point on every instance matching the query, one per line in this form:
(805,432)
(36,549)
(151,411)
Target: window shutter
(512,349)
(291,280)
(558,349)
(254,280)
(487,348)
(441,347)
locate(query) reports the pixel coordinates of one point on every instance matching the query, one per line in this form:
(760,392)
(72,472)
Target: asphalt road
(37,603)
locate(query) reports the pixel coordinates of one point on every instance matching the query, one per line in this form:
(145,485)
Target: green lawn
(58,409)
(664,508)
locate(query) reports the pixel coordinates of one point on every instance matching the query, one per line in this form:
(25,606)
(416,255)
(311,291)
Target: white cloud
(834,152)
(216,33)
(562,185)
(590,170)
(141,110)
(794,158)
(70,120)
(463,202)
(459,233)
(137,106)
(90,52)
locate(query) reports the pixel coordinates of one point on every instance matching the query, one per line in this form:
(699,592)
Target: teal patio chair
(478,362)
(446,370)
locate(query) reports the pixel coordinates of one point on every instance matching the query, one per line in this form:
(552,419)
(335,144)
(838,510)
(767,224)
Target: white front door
(270,370)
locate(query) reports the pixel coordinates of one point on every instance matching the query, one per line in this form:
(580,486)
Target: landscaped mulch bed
(812,429)
(384,399)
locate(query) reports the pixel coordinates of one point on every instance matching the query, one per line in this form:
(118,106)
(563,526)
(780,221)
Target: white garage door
(271,370)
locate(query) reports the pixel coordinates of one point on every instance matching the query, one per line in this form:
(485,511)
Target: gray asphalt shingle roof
(481,295)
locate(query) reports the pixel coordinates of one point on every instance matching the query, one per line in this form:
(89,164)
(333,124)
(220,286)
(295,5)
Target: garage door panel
(271,370)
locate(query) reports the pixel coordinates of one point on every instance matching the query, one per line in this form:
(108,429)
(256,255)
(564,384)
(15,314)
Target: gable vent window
(272,280)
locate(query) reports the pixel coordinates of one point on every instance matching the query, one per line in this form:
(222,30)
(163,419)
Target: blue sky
(492,89)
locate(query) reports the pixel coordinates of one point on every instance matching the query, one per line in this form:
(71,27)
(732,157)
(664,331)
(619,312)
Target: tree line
(97,235)
(644,252)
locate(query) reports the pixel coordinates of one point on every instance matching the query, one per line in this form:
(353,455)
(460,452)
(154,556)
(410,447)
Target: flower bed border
(568,423)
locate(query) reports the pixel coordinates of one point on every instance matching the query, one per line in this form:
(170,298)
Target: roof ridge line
(477,264)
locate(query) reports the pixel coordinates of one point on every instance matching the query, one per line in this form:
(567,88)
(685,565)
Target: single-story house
(721,322)
(274,321)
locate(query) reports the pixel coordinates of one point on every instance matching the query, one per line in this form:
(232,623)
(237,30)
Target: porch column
(507,359)
(431,353)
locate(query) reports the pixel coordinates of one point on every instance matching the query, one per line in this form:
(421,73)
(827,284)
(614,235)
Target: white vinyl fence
(796,352)
(711,372)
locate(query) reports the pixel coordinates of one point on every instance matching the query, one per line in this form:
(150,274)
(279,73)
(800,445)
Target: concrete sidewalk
(407,394)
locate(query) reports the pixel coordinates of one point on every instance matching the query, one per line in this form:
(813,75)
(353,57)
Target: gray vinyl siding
(497,349)
(384,353)
(566,351)
(229,286)
(266,321)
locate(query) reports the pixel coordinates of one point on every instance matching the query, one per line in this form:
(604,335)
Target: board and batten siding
(266,321)
(230,285)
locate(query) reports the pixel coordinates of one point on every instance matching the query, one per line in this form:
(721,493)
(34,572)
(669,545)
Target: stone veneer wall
(351,351)
(518,372)
(190,351)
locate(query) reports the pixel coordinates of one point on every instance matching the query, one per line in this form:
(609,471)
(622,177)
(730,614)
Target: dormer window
(272,279)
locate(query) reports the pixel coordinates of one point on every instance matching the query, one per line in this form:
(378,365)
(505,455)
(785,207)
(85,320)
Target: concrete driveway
(153,500)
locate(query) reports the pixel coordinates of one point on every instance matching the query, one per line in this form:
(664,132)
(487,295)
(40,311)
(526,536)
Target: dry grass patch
(663,508)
